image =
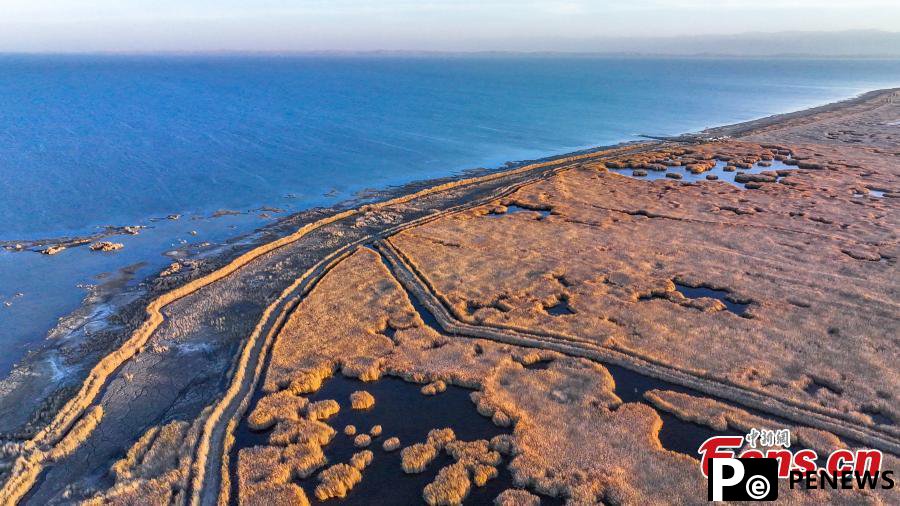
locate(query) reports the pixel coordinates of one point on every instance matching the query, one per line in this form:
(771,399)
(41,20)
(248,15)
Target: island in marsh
(562,332)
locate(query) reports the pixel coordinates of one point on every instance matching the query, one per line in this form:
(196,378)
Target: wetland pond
(685,176)
(403,412)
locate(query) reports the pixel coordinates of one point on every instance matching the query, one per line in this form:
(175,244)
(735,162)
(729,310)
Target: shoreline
(371,195)
(129,303)
(66,419)
(228,411)
(310,220)
(281,226)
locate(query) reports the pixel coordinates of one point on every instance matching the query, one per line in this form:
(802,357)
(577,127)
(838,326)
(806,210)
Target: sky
(435,25)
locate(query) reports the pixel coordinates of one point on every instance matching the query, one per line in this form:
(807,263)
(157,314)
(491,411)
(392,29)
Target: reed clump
(283,405)
(450,487)
(337,481)
(361,460)
(362,400)
(517,497)
(322,410)
(260,467)
(307,381)
(415,458)
(440,437)
(470,453)
(391,444)
(434,388)
(304,459)
(301,431)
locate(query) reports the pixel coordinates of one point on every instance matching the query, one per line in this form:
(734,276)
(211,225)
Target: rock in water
(106,246)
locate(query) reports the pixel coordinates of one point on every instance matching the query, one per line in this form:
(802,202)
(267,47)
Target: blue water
(95,140)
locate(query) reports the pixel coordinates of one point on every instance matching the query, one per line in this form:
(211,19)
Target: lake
(89,141)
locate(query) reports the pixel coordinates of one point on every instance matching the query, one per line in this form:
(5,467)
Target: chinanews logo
(754,473)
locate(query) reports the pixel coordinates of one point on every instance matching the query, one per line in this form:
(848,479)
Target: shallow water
(697,292)
(51,285)
(403,412)
(719,171)
(88,141)
(513,209)
(561,308)
(676,434)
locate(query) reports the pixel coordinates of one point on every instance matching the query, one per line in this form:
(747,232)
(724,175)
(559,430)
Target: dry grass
(260,467)
(301,431)
(362,400)
(155,469)
(276,407)
(434,388)
(391,444)
(322,410)
(517,497)
(471,453)
(556,412)
(361,460)
(503,444)
(154,453)
(337,481)
(304,459)
(309,381)
(481,473)
(416,457)
(362,440)
(439,438)
(450,487)
(613,246)
(279,494)
(123,469)
(80,431)
(149,493)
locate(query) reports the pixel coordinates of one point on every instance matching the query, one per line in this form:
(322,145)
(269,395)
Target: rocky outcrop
(106,246)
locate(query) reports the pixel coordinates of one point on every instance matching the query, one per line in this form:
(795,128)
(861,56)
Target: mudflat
(591,319)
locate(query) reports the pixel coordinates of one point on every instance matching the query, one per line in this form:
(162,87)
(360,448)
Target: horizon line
(696,52)
(439,52)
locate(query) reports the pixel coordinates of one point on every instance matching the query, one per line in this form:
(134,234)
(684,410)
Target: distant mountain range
(815,44)
(838,44)
(870,43)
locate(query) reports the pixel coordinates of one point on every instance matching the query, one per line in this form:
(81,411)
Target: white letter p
(718,483)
